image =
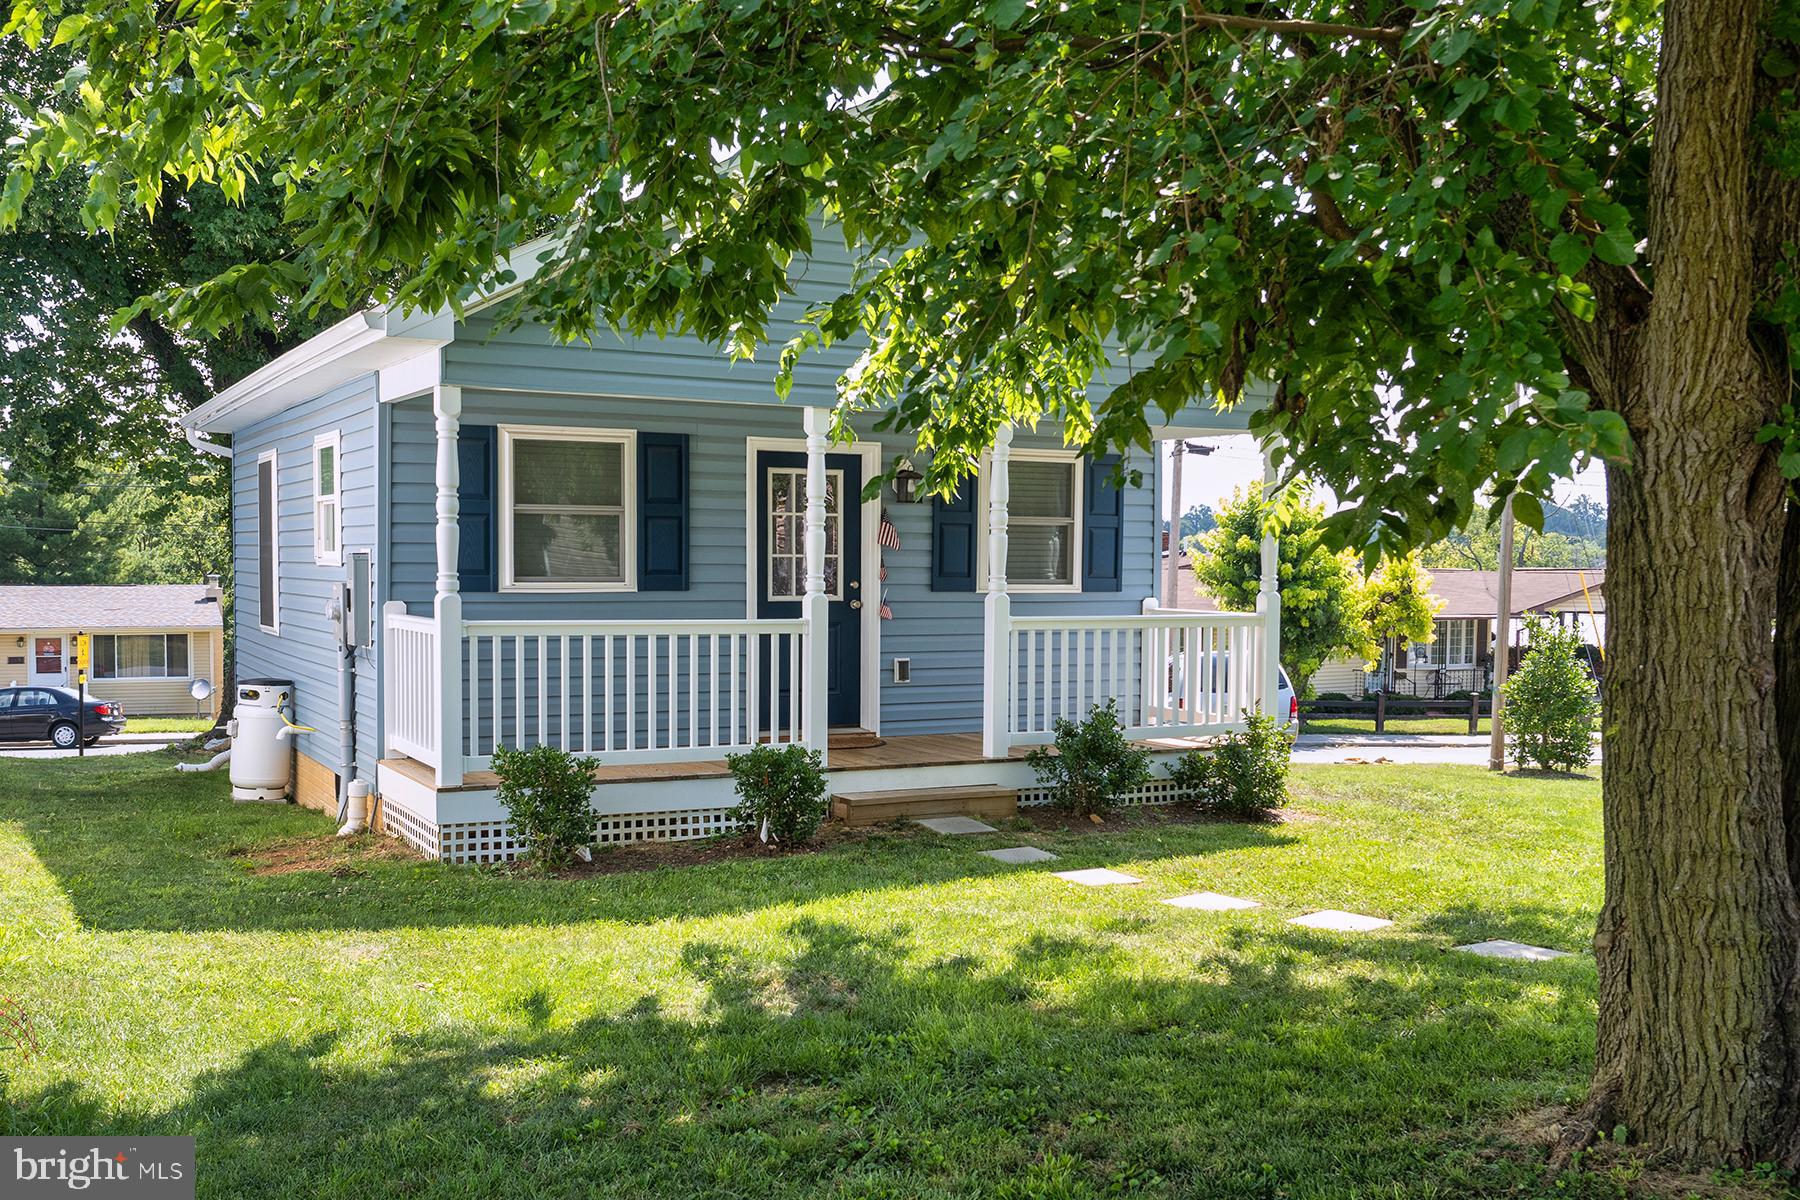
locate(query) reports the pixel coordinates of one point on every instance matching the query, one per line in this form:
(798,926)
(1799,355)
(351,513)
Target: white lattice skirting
(1157,791)
(492,841)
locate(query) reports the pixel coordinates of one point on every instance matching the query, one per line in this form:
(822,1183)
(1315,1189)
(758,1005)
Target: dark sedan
(50,714)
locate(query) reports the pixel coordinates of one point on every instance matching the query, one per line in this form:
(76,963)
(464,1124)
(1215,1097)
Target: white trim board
(626,440)
(870,453)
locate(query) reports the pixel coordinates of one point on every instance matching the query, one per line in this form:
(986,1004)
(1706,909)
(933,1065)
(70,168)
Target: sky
(1235,462)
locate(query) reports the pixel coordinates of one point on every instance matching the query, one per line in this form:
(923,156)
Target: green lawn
(894,1017)
(168,724)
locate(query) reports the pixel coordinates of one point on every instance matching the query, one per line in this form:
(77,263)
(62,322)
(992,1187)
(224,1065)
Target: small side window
(328,513)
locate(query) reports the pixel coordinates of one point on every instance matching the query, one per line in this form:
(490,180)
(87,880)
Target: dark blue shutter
(662,512)
(953,541)
(477,484)
(1103,528)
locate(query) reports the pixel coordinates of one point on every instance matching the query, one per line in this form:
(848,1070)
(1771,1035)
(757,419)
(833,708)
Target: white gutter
(205,446)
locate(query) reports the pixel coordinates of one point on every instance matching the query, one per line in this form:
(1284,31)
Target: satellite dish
(200,689)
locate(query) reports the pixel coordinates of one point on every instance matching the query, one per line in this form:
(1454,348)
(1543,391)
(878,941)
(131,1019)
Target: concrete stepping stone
(1339,920)
(1501,948)
(1097,877)
(1212,902)
(1019,854)
(955,825)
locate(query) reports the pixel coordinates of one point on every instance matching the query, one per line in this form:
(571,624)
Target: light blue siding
(521,375)
(941,632)
(305,649)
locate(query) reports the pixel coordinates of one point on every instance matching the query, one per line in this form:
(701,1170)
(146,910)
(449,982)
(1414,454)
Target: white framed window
(328,508)
(268,541)
(1452,645)
(1043,522)
(786,519)
(568,509)
(140,655)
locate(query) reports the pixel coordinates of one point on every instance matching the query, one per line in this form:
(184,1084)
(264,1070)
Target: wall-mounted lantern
(906,482)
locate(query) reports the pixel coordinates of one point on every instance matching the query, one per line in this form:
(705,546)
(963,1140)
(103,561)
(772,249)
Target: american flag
(887,535)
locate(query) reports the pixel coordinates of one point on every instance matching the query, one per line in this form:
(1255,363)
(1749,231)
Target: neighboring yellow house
(150,642)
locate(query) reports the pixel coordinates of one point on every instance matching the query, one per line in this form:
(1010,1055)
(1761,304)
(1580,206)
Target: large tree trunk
(1699,940)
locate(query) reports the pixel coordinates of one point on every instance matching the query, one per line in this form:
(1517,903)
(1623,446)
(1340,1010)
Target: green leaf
(1528,511)
(1570,253)
(1006,13)
(1616,246)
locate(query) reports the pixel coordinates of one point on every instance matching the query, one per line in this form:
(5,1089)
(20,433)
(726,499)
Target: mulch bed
(347,857)
(627,857)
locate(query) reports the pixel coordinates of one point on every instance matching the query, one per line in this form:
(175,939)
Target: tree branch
(1387,35)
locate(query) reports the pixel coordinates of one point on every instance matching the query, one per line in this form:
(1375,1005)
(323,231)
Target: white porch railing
(1174,674)
(668,691)
(410,676)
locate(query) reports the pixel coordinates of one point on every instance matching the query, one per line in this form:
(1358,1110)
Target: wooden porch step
(854,739)
(908,804)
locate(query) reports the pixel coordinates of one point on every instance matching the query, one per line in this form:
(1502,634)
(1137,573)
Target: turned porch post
(814,606)
(446,700)
(996,666)
(1268,604)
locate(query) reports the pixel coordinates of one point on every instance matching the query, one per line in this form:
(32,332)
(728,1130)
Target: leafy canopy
(1084,214)
(1321,591)
(1397,604)
(87,377)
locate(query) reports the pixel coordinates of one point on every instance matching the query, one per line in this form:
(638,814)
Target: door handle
(856,604)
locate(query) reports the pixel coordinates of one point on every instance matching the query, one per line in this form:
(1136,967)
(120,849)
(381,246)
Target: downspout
(203,445)
(346,686)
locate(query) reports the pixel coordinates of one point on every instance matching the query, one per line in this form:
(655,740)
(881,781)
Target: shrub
(1094,765)
(547,794)
(1244,774)
(1550,701)
(781,792)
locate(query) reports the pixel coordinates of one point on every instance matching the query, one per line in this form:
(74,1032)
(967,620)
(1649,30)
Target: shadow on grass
(1283,1062)
(134,845)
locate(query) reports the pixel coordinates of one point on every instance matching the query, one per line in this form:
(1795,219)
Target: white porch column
(446,701)
(1268,604)
(815,692)
(997,637)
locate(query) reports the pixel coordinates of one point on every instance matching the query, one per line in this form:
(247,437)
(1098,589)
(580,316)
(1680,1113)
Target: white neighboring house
(150,642)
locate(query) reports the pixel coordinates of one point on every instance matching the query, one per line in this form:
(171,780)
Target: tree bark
(1787,679)
(1698,943)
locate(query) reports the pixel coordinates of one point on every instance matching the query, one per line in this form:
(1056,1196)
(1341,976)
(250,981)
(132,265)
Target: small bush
(1550,701)
(547,794)
(1094,765)
(781,792)
(1244,774)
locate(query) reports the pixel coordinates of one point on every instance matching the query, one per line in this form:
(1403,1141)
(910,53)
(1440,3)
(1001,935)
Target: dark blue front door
(781,564)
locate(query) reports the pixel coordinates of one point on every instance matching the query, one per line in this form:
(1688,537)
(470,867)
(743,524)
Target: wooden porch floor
(918,750)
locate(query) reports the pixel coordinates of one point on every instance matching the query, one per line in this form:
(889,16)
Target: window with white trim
(569,509)
(268,542)
(1043,521)
(328,509)
(140,656)
(1453,645)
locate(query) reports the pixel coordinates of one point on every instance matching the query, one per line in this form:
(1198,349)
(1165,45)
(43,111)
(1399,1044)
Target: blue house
(632,549)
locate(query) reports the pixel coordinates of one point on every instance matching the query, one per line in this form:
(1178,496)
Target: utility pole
(1172,569)
(1502,639)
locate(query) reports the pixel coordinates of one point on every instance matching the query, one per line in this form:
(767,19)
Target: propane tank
(262,743)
